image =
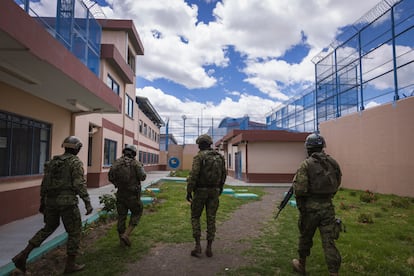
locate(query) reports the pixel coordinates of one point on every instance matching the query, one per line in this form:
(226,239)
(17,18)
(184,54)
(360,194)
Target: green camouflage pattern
(73,179)
(208,198)
(197,177)
(128,196)
(125,203)
(126,174)
(72,222)
(62,203)
(206,195)
(316,211)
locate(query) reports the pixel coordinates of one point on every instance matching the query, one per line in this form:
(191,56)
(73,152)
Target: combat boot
(121,242)
(299,266)
(71,266)
(125,236)
(197,249)
(20,259)
(209,253)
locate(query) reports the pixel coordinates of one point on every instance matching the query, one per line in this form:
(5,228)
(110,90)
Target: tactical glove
(88,207)
(189,197)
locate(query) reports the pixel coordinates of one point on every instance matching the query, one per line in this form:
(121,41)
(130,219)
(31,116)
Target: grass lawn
(379,238)
(167,221)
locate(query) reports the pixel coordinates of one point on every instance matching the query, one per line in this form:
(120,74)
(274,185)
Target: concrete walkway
(15,235)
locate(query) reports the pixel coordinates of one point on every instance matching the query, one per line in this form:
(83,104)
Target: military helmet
(72,142)
(130,148)
(204,138)
(314,140)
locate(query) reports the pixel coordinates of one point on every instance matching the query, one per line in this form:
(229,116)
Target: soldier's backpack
(57,175)
(322,174)
(211,169)
(120,172)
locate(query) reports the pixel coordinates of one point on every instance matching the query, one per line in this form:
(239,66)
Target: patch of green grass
(167,221)
(384,247)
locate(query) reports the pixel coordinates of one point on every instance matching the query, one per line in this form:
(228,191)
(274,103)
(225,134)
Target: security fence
(73,23)
(370,63)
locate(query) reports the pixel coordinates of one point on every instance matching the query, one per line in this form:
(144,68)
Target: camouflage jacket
(132,174)
(315,185)
(72,179)
(193,180)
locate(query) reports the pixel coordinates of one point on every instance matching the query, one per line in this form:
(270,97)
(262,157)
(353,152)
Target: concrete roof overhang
(32,60)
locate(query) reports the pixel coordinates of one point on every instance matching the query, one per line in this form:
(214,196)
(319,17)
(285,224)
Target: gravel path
(232,239)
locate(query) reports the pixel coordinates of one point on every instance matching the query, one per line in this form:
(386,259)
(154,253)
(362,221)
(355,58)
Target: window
(109,152)
(24,145)
(140,126)
(131,60)
(112,84)
(145,130)
(129,106)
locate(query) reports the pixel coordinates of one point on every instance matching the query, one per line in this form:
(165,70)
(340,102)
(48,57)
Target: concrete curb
(46,247)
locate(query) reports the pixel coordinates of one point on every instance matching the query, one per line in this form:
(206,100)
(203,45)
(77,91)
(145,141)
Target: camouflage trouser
(125,203)
(72,222)
(208,197)
(324,219)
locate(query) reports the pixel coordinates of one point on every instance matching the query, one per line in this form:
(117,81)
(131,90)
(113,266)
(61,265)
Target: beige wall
(190,150)
(177,152)
(275,157)
(117,38)
(375,148)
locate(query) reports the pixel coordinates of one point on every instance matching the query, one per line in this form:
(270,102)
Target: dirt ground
(232,239)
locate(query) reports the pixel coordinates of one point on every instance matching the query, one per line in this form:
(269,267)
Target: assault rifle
(285,201)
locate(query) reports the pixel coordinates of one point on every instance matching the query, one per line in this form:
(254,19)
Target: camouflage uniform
(316,208)
(62,183)
(129,195)
(205,194)
(63,203)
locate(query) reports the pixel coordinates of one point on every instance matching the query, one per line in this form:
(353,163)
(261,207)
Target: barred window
(24,145)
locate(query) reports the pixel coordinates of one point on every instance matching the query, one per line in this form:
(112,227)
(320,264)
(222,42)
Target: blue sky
(230,58)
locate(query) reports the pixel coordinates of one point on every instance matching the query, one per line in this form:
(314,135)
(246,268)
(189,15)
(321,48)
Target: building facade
(263,156)
(54,84)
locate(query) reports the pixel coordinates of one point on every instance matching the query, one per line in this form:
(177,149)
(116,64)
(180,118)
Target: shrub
(368,197)
(109,202)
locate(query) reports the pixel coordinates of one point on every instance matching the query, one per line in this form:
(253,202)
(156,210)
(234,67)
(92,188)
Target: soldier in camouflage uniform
(59,190)
(315,184)
(207,187)
(128,196)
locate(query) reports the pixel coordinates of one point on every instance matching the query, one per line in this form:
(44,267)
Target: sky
(230,58)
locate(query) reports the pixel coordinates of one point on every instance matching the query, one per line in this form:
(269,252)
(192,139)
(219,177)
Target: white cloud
(170,107)
(256,28)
